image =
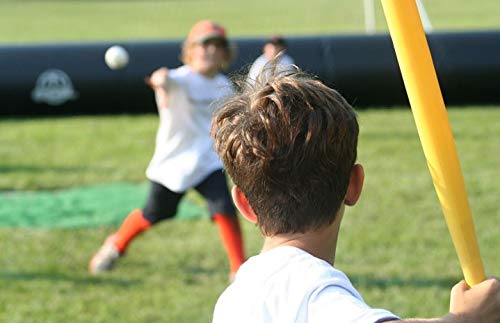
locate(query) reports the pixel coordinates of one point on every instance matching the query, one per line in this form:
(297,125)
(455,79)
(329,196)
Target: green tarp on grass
(106,204)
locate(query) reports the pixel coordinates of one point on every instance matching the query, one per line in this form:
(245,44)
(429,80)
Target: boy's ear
(355,185)
(241,202)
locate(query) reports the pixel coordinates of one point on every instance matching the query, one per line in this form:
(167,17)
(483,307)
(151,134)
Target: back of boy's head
(289,145)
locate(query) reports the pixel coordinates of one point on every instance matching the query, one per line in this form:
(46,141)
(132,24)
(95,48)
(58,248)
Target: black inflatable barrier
(58,79)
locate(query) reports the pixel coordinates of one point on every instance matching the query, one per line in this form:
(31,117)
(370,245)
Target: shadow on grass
(414,282)
(59,277)
(39,169)
(197,273)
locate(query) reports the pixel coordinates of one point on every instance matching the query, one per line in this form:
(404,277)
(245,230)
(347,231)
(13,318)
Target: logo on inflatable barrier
(53,87)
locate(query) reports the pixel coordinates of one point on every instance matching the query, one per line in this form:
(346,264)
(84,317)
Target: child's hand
(480,303)
(157,79)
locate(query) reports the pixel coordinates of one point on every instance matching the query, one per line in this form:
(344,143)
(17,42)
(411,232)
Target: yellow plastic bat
(434,130)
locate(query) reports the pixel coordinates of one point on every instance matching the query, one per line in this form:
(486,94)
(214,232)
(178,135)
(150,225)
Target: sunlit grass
(394,243)
(55,21)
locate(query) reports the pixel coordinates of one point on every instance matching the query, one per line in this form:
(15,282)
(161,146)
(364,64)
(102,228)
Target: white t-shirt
(287,284)
(184,153)
(284,63)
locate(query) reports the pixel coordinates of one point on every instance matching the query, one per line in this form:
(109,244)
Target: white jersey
(287,284)
(284,63)
(184,153)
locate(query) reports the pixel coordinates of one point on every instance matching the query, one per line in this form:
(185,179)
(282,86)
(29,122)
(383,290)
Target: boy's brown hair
(289,145)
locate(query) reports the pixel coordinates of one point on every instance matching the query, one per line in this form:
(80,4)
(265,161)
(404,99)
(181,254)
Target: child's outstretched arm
(158,82)
(479,304)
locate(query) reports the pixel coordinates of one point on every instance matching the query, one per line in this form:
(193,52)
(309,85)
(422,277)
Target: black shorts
(162,203)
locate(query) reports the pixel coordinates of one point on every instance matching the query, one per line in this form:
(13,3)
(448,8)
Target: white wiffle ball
(116,57)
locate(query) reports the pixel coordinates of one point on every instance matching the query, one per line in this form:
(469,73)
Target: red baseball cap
(205,30)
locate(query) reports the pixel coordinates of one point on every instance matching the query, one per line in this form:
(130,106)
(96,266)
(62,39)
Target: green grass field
(28,21)
(394,244)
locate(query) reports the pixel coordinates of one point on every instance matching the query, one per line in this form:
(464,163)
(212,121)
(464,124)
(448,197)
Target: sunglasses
(219,43)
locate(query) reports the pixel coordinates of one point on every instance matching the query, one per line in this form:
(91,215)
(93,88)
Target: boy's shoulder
(290,262)
(288,284)
(285,277)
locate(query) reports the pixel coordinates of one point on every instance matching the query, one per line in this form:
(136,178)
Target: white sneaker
(105,258)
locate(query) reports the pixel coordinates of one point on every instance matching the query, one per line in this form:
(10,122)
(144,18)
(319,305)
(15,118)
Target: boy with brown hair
(290,146)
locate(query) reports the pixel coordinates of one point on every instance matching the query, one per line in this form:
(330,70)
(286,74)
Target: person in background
(184,157)
(290,147)
(274,50)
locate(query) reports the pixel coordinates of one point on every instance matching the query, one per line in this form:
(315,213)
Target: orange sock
(231,237)
(134,224)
